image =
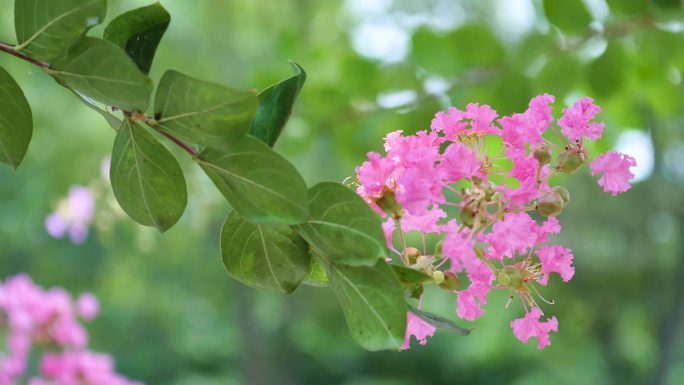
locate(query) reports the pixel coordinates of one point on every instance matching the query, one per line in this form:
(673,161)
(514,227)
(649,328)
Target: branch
(8,48)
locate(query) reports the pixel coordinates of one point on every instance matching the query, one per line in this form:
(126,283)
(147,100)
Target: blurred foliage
(171,315)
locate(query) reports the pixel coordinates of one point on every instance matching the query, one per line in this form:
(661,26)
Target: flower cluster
(482,185)
(48,320)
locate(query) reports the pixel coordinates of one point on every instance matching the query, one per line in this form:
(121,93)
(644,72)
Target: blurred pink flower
(530,326)
(418,328)
(615,168)
(73,215)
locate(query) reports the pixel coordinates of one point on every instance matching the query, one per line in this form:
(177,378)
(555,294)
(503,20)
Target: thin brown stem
(8,48)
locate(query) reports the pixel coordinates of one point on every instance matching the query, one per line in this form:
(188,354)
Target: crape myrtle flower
(481,184)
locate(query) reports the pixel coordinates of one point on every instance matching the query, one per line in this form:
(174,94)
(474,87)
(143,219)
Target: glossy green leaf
(262,186)
(270,257)
(146,178)
(410,276)
(607,73)
(46,28)
(275,106)
(373,304)
(202,112)
(439,322)
(341,227)
(16,122)
(102,71)
(139,32)
(317,275)
(569,15)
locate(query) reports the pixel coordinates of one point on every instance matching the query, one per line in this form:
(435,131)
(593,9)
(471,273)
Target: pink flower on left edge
(418,328)
(530,326)
(615,168)
(73,215)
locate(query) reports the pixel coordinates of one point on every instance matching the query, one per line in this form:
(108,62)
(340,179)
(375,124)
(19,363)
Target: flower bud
(468,215)
(569,161)
(510,276)
(438,276)
(543,154)
(451,281)
(388,203)
(550,204)
(564,193)
(412,253)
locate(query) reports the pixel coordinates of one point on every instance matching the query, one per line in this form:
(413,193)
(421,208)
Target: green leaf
(146,178)
(112,120)
(317,275)
(262,186)
(439,322)
(271,257)
(275,106)
(202,112)
(373,304)
(569,15)
(102,71)
(342,227)
(46,28)
(139,32)
(411,276)
(16,121)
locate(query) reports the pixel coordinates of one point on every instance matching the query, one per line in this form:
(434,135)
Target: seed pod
(550,204)
(468,215)
(438,276)
(451,281)
(564,193)
(510,276)
(569,161)
(543,154)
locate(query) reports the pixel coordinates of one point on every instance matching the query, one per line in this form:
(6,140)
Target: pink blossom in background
(418,328)
(73,215)
(615,169)
(576,121)
(479,199)
(48,319)
(530,326)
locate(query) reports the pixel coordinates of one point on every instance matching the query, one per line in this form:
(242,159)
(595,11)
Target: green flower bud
(564,193)
(510,276)
(439,247)
(543,155)
(412,253)
(569,161)
(550,204)
(451,281)
(438,276)
(468,215)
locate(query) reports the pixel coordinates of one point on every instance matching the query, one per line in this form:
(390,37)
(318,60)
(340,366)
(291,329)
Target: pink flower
(88,306)
(527,128)
(518,197)
(469,301)
(575,122)
(524,166)
(530,326)
(73,215)
(516,233)
(555,259)
(426,223)
(449,123)
(458,247)
(459,162)
(418,328)
(375,173)
(418,187)
(481,117)
(615,168)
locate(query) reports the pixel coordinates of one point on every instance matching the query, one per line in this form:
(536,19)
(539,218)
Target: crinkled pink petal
(460,161)
(426,223)
(515,233)
(469,301)
(576,121)
(555,259)
(481,117)
(449,123)
(418,328)
(615,168)
(530,326)
(375,173)
(458,247)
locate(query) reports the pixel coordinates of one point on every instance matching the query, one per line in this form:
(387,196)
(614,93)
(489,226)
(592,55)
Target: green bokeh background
(172,316)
